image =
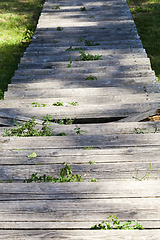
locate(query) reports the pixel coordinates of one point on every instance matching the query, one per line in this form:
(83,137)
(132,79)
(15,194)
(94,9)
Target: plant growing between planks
(28,129)
(73,103)
(59,29)
(90,78)
(36,104)
(56,7)
(114,223)
(141,130)
(78,131)
(93,180)
(66,175)
(67,121)
(90,43)
(69,64)
(88,148)
(58,104)
(147,174)
(88,57)
(83,9)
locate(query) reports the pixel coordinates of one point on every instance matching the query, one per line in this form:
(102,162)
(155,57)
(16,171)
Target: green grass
(146,16)
(18,19)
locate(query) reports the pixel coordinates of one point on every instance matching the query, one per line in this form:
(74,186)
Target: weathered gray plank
(80,234)
(78,112)
(81,156)
(101,171)
(81,189)
(101,128)
(75,96)
(122,63)
(64,142)
(117,51)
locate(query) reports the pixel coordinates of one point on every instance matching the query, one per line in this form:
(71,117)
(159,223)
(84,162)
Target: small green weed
(91,16)
(73,103)
(147,174)
(65,175)
(32,155)
(59,121)
(59,29)
(141,130)
(90,43)
(88,57)
(80,39)
(78,131)
(9,181)
(56,7)
(93,180)
(62,134)
(54,41)
(88,148)
(36,104)
(69,64)
(73,49)
(90,162)
(114,223)
(58,104)
(83,9)
(91,78)
(28,129)
(67,121)
(43,105)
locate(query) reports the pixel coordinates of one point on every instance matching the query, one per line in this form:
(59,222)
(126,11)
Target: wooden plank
(101,171)
(80,156)
(81,189)
(80,234)
(91,156)
(64,142)
(78,112)
(151,225)
(108,62)
(81,92)
(37,82)
(67,100)
(92,210)
(112,51)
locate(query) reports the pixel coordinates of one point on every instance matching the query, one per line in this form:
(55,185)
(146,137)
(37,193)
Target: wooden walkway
(116,147)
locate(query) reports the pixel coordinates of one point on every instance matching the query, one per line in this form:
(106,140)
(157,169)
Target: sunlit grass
(146,14)
(18,19)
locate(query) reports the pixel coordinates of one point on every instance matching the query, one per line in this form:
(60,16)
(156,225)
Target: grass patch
(146,16)
(18,20)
